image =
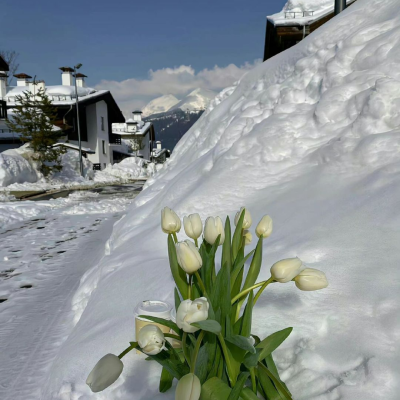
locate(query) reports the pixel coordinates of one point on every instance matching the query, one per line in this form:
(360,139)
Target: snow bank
(312,138)
(14,168)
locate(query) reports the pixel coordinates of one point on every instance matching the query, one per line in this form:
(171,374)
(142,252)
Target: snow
(306,11)
(160,105)
(199,99)
(310,137)
(127,169)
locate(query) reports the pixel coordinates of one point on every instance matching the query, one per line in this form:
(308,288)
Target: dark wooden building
(285,33)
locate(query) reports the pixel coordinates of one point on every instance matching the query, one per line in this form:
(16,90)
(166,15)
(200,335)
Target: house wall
(95,134)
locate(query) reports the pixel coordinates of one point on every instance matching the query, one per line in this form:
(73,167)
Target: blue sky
(119,40)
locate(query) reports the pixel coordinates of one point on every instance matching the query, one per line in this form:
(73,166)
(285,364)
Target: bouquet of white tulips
(219,358)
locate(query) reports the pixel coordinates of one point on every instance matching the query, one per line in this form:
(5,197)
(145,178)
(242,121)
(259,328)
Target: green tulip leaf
(267,386)
(277,382)
(237,267)
(248,394)
(242,342)
(178,273)
(272,342)
(165,380)
(237,389)
(226,257)
(215,389)
(247,316)
(165,322)
(251,359)
(255,266)
(269,361)
(209,325)
(201,364)
(237,240)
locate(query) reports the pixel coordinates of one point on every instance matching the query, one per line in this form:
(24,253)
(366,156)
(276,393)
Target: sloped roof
(3,64)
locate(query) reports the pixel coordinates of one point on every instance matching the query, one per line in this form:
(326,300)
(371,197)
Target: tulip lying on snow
(285,270)
(264,227)
(188,388)
(105,373)
(247,218)
(151,340)
(213,227)
(193,226)
(191,311)
(311,279)
(170,222)
(188,256)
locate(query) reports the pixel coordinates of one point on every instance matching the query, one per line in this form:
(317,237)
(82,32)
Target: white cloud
(134,93)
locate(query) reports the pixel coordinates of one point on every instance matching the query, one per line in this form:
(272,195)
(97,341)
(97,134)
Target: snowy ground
(42,260)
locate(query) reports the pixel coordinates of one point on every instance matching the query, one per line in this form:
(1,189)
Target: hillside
(172,125)
(312,138)
(197,100)
(160,105)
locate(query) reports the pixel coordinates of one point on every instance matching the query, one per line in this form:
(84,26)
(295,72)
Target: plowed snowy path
(41,263)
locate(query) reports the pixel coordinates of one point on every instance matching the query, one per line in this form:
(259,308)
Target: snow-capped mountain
(160,104)
(199,99)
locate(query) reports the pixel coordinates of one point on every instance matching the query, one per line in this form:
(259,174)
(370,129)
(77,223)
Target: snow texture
(160,104)
(310,137)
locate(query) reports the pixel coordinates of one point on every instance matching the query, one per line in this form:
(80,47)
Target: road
(42,260)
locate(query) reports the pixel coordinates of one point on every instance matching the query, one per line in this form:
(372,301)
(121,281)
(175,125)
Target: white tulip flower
(247,218)
(285,270)
(170,222)
(247,237)
(188,388)
(193,226)
(213,227)
(191,311)
(188,256)
(311,279)
(105,373)
(264,227)
(151,340)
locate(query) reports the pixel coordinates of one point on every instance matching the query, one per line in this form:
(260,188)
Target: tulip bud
(285,270)
(311,279)
(247,237)
(193,226)
(212,229)
(105,373)
(191,311)
(188,256)
(247,218)
(188,388)
(151,340)
(170,222)
(264,227)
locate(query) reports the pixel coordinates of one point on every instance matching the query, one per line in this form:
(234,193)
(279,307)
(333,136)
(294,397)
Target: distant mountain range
(170,126)
(197,100)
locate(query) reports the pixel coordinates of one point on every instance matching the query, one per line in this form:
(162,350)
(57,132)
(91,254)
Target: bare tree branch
(10,57)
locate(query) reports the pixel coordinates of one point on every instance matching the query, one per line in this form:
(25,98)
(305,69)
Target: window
(102,124)
(103,142)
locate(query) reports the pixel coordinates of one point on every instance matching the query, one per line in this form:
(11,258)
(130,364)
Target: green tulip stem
(184,348)
(201,284)
(190,287)
(196,242)
(246,291)
(175,237)
(128,349)
(253,380)
(196,351)
(172,336)
(231,374)
(262,289)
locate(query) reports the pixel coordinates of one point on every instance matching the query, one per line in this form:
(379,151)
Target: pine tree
(34,119)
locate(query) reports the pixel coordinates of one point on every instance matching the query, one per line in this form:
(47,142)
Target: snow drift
(312,138)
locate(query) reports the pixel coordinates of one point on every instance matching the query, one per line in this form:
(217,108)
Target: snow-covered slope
(160,104)
(311,137)
(199,99)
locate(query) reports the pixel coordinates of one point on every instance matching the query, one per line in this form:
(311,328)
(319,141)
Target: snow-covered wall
(311,137)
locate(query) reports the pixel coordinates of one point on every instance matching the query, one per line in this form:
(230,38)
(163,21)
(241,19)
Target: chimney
(22,79)
(340,5)
(131,125)
(80,80)
(137,115)
(158,143)
(3,85)
(66,76)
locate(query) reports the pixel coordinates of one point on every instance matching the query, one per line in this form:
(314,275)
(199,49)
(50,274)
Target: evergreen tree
(34,119)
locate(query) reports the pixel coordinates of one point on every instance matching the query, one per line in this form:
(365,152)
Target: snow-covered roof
(75,147)
(158,152)
(303,12)
(121,128)
(59,94)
